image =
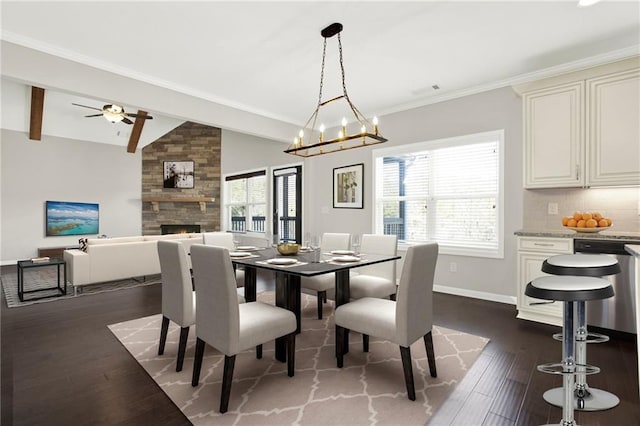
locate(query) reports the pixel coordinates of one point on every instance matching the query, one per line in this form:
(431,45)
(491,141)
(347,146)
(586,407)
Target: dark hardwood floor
(61,366)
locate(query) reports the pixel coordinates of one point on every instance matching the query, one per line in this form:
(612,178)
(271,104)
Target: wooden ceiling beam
(37,113)
(136,131)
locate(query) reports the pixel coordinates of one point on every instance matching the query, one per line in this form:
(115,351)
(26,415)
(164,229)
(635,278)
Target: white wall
(64,170)
(497,109)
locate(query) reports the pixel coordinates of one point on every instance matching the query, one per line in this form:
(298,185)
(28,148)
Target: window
(246,202)
(449,191)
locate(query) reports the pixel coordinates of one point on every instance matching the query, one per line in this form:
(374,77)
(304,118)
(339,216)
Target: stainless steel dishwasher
(618,312)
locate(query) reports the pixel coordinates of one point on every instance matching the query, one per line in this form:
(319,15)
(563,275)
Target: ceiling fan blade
(93,115)
(147,117)
(126,120)
(84,106)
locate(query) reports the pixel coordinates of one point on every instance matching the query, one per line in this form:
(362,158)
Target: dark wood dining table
(288,293)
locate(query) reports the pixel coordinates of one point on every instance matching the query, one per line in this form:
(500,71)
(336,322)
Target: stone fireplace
(188,142)
(178,229)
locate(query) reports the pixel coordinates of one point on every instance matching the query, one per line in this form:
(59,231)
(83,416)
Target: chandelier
(311,142)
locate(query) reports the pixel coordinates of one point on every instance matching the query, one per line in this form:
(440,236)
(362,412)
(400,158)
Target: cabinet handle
(543,244)
(577,171)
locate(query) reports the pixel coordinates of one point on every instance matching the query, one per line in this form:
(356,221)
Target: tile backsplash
(620,204)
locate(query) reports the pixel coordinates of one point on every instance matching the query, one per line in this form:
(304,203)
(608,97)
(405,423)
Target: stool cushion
(569,288)
(581,264)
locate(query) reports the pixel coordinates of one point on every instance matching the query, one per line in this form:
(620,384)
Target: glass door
(287,204)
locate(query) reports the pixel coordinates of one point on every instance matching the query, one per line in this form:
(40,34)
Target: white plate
(239,254)
(342,252)
(345,259)
(247,248)
(281,261)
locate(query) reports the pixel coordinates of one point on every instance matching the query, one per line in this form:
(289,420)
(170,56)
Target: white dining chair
(224,239)
(321,283)
(403,321)
(377,280)
(228,326)
(178,297)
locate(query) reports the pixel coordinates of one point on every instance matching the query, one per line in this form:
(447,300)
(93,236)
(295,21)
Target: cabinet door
(529,265)
(553,137)
(613,134)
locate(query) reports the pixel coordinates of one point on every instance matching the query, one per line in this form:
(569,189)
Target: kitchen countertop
(567,233)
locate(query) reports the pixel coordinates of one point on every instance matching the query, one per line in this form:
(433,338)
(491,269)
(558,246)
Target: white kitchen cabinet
(553,136)
(613,134)
(583,129)
(532,252)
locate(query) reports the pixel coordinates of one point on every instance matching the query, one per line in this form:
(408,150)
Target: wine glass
(355,243)
(236,240)
(315,246)
(306,242)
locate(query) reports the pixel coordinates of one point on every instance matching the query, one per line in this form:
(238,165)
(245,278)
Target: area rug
(47,277)
(369,390)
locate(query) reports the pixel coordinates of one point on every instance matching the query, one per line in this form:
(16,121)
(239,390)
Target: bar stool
(583,265)
(569,290)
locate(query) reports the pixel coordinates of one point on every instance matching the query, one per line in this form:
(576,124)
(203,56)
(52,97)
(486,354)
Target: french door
(287,204)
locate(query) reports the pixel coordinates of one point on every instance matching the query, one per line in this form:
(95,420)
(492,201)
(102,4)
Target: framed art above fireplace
(178,174)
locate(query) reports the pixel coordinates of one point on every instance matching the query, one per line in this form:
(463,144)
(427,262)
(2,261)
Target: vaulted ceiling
(254,67)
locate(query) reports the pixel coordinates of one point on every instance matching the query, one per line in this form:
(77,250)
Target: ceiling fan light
(112,117)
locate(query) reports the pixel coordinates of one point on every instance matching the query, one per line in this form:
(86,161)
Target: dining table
(290,269)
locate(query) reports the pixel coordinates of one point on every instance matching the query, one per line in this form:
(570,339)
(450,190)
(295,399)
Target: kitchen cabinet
(532,252)
(583,129)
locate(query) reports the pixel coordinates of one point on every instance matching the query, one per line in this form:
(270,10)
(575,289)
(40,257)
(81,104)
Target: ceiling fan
(114,113)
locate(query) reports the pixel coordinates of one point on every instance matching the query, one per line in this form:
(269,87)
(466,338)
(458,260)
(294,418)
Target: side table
(28,264)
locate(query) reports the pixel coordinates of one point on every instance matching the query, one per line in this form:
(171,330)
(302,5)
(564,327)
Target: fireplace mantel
(155,201)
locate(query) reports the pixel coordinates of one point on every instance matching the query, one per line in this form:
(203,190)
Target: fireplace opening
(179,229)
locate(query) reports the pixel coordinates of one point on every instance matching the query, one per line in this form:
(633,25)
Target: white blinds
(448,191)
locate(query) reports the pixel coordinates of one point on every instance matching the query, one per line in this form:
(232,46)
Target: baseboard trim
(492,297)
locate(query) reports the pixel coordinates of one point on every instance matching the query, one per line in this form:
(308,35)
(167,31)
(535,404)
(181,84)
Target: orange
(581,223)
(602,223)
(591,223)
(586,216)
(565,220)
(597,216)
(577,216)
(572,223)
(608,221)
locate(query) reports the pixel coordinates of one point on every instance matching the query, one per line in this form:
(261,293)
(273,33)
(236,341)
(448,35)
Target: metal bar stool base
(597,400)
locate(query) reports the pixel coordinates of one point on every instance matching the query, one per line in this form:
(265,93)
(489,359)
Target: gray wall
(63,170)
(496,109)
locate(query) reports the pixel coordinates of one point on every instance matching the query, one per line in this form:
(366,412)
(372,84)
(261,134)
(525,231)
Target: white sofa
(109,259)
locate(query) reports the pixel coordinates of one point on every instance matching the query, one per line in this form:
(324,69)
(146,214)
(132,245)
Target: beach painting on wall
(69,218)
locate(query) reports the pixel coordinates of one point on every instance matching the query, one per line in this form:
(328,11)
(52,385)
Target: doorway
(287,204)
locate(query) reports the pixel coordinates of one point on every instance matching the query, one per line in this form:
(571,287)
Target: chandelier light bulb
(375,126)
(321,132)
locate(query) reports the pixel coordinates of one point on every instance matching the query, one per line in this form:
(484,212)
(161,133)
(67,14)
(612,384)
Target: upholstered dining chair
(178,297)
(228,326)
(321,283)
(377,280)
(403,321)
(224,239)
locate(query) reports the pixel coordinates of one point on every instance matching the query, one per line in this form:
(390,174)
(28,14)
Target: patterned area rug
(370,389)
(47,277)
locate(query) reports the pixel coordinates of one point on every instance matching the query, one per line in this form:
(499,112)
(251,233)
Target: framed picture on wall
(347,187)
(178,174)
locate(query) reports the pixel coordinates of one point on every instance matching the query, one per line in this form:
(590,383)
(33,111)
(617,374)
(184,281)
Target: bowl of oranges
(586,222)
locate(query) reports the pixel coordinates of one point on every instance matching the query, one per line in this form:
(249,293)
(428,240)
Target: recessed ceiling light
(585,3)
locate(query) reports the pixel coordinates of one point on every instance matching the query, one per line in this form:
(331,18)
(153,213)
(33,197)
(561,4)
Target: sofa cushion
(117,240)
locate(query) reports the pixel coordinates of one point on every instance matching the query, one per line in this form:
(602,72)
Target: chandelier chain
(355,111)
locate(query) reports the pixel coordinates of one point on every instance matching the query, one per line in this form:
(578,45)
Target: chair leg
(259,351)
(322,295)
(182,347)
(431,356)
(164,328)
(339,345)
(405,352)
(291,354)
(227,378)
(365,343)
(197,362)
